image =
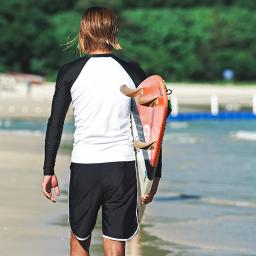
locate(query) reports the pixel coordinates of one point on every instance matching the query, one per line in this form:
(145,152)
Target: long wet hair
(98,30)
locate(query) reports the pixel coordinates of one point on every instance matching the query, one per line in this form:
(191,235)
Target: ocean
(206,201)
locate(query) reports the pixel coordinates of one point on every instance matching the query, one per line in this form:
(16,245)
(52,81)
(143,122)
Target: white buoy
(254,104)
(214,105)
(175,106)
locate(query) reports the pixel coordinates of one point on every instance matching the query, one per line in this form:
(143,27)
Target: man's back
(101,112)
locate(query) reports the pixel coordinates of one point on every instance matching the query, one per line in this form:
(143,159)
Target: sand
(30,224)
(25,214)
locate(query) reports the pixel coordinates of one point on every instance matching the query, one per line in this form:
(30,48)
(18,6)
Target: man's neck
(99,52)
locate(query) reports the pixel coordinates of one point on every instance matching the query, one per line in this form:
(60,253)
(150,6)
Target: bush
(191,44)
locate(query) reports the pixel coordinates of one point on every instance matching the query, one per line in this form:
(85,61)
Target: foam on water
(178,125)
(225,202)
(244,135)
(180,138)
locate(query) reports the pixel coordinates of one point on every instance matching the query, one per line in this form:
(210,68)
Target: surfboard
(149,113)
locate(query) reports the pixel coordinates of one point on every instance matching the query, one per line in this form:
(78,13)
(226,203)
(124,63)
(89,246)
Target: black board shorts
(111,186)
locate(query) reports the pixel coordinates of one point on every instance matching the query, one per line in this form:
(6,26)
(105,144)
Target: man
(102,168)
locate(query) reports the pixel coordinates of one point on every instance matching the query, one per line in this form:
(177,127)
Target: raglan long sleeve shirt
(101,112)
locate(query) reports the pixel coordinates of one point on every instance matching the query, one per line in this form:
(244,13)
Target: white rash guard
(101,112)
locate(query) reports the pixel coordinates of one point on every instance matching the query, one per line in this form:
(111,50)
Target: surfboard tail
(144,145)
(140,95)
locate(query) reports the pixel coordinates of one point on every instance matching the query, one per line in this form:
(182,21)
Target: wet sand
(25,214)
(29,223)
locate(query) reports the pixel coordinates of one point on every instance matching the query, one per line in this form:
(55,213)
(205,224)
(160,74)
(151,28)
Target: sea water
(206,201)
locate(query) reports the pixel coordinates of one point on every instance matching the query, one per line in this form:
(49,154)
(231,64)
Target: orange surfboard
(148,116)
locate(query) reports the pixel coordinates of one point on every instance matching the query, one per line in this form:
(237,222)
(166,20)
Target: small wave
(226,202)
(174,197)
(178,125)
(244,135)
(180,138)
(214,201)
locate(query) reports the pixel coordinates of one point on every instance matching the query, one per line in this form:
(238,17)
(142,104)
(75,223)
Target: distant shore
(19,101)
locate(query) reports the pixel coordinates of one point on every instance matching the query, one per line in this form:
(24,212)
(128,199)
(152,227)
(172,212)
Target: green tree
(194,44)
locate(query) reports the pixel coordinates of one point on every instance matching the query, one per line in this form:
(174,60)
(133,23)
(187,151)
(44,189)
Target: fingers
(47,187)
(57,190)
(53,199)
(47,194)
(145,199)
(54,183)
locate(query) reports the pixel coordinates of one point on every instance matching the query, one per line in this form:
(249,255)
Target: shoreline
(179,226)
(27,217)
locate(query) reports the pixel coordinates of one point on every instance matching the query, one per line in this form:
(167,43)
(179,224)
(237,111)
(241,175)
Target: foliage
(194,44)
(173,39)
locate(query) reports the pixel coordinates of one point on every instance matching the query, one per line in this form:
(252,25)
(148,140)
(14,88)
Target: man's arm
(60,104)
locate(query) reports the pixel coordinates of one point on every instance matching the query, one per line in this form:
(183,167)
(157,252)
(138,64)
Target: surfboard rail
(148,120)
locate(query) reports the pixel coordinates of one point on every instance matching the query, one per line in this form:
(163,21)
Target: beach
(205,204)
(30,224)
(25,214)
(73,55)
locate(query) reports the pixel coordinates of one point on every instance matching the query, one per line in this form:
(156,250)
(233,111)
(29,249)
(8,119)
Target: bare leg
(133,246)
(79,248)
(113,248)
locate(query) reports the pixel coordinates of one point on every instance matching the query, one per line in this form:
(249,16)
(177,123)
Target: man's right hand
(49,182)
(145,199)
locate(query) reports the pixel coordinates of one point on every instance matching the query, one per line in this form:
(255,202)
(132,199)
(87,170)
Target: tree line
(191,40)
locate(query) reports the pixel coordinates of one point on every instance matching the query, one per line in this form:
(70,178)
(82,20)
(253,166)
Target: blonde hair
(98,31)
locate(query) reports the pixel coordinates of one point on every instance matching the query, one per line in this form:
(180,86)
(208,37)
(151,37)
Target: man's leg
(85,195)
(79,248)
(119,206)
(113,248)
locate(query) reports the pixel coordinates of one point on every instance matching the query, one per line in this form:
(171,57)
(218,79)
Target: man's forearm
(155,185)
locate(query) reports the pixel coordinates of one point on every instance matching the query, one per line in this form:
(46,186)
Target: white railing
(254,104)
(213,102)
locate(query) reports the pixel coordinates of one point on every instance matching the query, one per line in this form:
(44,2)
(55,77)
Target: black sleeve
(60,104)
(158,173)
